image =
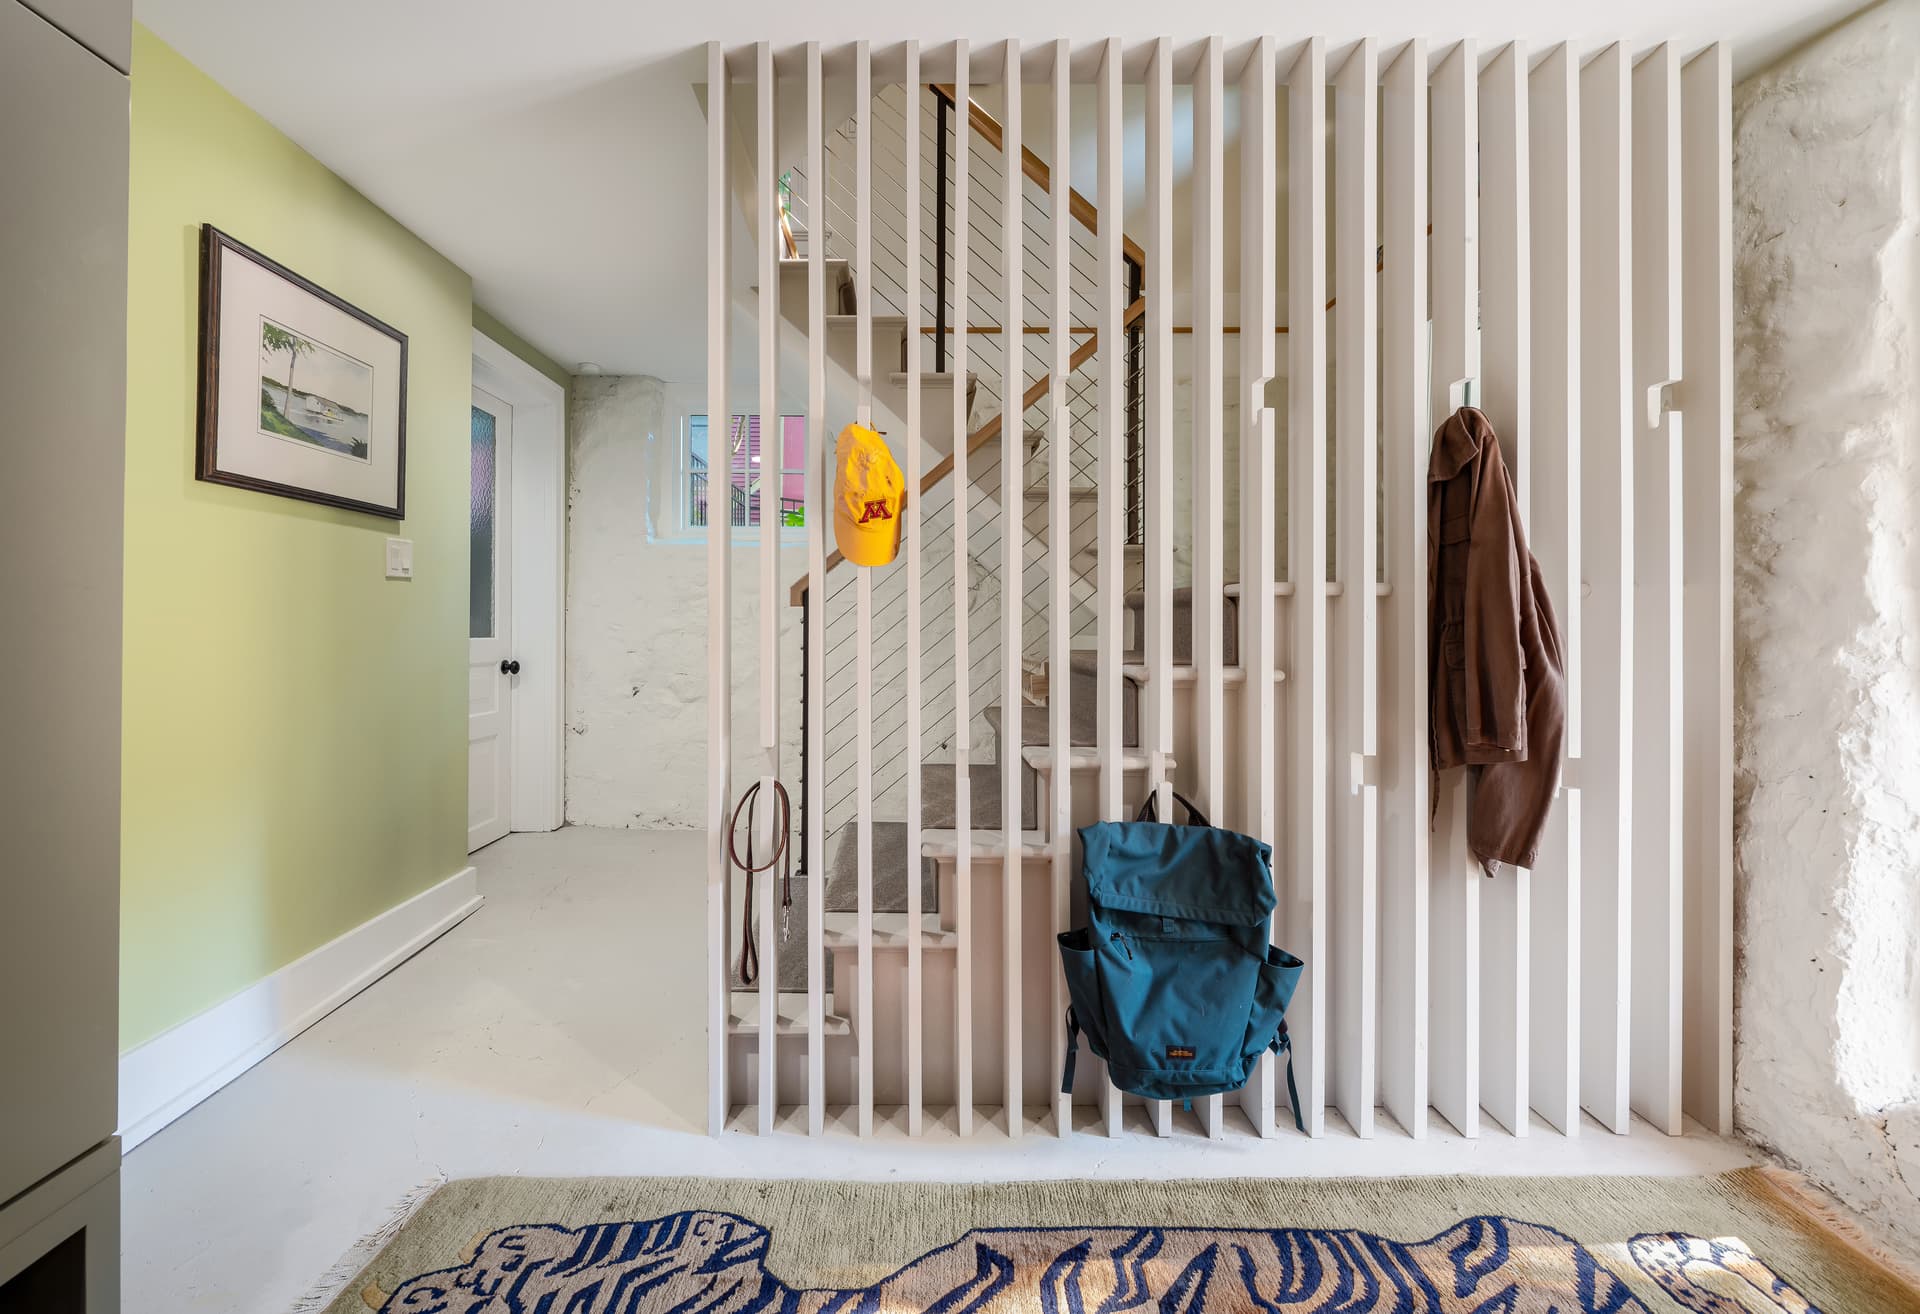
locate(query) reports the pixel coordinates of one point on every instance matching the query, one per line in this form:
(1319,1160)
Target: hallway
(557,1032)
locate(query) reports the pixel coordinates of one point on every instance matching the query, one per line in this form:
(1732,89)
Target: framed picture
(301,394)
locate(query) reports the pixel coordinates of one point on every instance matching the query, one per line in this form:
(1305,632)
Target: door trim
(536,511)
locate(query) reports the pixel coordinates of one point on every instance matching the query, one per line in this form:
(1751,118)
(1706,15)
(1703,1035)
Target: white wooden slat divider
(766,194)
(1706,210)
(1209,452)
(1657,654)
(910,533)
(1353,893)
(1059,529)
(1258,481)
(1306,894)
(863,628)
(1606,617)
(962,626)
(818,487)
(1157,715)
(1454,1055)
(1110,568)
(719,594)
(1406,437)
(1506,373)
(1013,592)
(1553,122)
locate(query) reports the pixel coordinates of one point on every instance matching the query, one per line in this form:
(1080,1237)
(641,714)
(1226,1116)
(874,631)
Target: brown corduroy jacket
(1496,682)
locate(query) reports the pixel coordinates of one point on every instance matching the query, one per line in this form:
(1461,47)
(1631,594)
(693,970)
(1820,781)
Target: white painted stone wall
(636,744)
(1827,230)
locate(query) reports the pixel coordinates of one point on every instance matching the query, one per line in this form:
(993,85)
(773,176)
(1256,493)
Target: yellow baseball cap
(869,493)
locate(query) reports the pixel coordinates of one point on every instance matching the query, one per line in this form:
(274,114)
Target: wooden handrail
(1035,168)
(987,432)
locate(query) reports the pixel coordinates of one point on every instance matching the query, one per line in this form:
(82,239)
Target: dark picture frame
(324,463)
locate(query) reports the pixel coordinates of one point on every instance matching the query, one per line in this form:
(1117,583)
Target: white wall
(636,743)
(1826,212)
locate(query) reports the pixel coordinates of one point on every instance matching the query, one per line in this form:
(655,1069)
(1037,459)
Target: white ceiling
(556,150)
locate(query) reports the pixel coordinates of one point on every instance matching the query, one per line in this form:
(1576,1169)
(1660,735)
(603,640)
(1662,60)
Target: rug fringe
(362,1253)
(1802,1194)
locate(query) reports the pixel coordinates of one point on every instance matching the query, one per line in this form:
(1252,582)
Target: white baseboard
(164,1077)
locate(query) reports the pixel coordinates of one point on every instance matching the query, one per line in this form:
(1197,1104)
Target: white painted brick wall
(1827,229)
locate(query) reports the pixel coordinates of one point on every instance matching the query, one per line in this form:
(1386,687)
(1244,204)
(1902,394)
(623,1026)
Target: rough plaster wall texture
(1826,215)
(637,622)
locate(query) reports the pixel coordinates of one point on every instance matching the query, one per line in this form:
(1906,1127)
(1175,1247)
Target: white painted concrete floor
(558,1032)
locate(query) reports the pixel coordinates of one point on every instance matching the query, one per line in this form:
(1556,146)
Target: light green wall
(519,346)
(295,738)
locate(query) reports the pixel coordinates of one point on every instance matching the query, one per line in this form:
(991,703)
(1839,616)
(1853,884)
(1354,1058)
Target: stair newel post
(962,623)
(1354,887)
(863,621)
(1304,897)
(910,534)
(772,439)
(1012,585)
(719,599)
(1209,452)
(813,620)
(1258,481)
(1111,565)
(1059,531)
(1158,619)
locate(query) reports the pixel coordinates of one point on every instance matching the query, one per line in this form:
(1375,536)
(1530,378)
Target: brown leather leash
(749,949)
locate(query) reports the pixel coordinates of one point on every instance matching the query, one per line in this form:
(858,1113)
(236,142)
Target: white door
(491,666)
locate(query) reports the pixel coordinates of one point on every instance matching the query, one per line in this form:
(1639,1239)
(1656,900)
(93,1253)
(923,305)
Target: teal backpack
(1173,978)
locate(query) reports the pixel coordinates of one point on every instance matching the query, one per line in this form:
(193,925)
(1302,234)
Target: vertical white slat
(1059,528)
(719,592)
(1306,897)
(962,611)
(766,193)
(1606,615)
(863,624)
(1258,474)
(1110,568)
(1406,437)
(1157,714)
(1658,626)
(1013,589)
(910,532)
(1506,375)
(818,453)
(1353,891)
(1706,217)
(1454,1055)
(1553,462)
(1209,450)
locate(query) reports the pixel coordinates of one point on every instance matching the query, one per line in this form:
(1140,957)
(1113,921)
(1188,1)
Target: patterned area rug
(1744,1243)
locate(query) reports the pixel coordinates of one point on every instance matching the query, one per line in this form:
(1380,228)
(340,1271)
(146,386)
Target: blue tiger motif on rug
(704,1262)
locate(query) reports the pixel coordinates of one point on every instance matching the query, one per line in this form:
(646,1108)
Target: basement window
(739,456)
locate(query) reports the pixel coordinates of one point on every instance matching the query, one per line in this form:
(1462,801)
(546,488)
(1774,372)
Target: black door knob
(509,667)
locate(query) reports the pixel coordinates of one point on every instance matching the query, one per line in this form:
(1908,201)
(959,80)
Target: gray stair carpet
(791,971)
(1183,627)
(939,809)
(1083,712)
(889,871)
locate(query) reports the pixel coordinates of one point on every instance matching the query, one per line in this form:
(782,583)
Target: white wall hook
(1364,771)
(1463,392)
(1662,397)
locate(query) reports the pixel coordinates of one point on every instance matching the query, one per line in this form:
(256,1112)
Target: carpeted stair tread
(889,871)
(1183,627)
(938,804)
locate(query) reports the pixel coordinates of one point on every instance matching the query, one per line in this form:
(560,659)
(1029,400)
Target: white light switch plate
(399,558)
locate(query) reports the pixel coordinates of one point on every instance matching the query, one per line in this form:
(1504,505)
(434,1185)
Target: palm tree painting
(330,412)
